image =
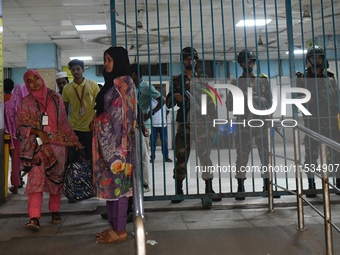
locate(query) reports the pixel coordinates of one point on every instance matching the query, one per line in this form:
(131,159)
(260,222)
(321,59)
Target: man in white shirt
(159,126)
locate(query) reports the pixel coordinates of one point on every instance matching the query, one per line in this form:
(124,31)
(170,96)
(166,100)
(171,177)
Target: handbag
(78,181)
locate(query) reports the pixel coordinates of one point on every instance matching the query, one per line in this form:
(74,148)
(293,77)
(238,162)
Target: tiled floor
(231,227)
(218,231)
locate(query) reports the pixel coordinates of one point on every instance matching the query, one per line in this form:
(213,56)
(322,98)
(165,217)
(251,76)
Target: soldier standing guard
(262,99)
(324,107)
(180,94)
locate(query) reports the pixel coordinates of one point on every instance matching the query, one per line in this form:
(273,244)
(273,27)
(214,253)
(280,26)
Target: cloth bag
(78,181)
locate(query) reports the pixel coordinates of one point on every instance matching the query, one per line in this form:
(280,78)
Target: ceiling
(208,25)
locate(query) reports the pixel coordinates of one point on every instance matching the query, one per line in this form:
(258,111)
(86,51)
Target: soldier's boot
(338,186)
(208,189)
(266,187)
(240,188)
(179,191)
(311,188)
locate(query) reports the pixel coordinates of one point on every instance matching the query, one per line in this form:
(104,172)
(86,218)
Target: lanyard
(40,112)
(82,95)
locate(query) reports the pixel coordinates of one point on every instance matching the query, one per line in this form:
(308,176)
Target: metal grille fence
(155,32)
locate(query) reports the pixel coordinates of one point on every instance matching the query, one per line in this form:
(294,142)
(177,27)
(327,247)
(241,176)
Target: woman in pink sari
(44,131)
(11,107)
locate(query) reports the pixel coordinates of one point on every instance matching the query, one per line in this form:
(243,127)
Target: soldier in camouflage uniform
(262,99)
(324,107)
(185,88)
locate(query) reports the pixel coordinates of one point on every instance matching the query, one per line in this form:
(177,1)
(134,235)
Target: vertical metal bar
(140,238)
(170,86)
(139,226)
(335,36)
(2,159)
(290,37)
(234,137)
(326,201)
(113,22)
(226,76)
(270,184)
(270,174)
(125,28)
(219,77)
(292,69)
(140,244)
(202,39)
(298,179)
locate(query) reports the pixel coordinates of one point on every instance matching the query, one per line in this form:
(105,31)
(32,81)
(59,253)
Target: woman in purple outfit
(114,143)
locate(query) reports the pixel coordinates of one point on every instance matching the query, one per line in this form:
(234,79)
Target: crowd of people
(48,127)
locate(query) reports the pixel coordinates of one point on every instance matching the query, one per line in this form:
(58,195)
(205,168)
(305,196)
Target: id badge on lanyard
(81,101)
(81,111)
(44,120)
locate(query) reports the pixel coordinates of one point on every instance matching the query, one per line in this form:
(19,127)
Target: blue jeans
(163,131)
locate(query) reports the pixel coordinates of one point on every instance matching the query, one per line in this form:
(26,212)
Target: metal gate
(278,33)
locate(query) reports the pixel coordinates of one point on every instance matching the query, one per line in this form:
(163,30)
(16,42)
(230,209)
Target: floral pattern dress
(114,143)
(45,163)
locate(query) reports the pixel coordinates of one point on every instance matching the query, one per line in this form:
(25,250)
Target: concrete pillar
(46,59)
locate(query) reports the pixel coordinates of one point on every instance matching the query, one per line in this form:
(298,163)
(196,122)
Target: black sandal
(56,219)
(33,225)
(14,190)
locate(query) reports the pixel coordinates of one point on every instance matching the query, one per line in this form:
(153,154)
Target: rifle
(192,100)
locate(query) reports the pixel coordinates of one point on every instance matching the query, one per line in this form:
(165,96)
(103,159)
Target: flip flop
(33,225)
(56,219)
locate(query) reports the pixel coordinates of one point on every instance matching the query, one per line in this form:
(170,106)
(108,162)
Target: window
(209,68)
(155,69)
(99,70)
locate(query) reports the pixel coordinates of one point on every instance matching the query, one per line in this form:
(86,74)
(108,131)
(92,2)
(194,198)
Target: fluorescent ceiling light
(82,58)
(298,52)
(253,23)
(91,27)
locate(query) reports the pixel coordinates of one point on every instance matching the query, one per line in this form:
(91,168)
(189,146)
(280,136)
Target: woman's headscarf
(39,95)
(11,107)
(42,97)
(121,68)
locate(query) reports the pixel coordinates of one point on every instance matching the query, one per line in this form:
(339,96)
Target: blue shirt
(146,93)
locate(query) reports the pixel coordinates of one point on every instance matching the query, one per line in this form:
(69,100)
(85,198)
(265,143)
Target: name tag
(82,111)
(44,120)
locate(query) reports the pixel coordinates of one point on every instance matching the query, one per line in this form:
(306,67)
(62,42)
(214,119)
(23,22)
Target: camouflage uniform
(261,100)
(324,107)
(185,117)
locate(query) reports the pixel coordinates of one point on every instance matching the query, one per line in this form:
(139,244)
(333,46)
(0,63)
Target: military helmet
(315,50)
(187,51)
(244,55)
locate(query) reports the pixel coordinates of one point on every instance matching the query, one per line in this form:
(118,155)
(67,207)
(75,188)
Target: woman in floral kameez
(113,142)
(44,131)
